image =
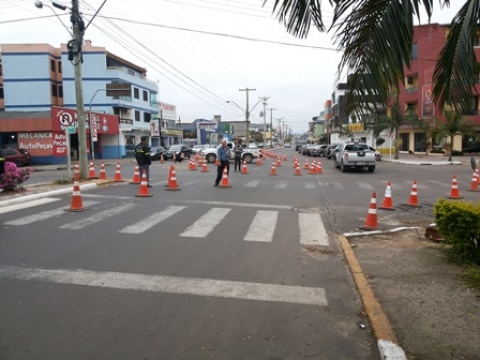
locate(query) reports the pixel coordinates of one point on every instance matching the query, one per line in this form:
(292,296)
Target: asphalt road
(248,272)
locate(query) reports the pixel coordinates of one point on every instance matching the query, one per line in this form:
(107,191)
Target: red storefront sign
(64,117)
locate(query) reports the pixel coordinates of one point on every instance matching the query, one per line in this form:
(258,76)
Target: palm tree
(454,124)
(369,30)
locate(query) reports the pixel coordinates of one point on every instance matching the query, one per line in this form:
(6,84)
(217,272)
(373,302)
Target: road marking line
(26,205)
(43,215)
(227,203)
(173,285)
(310,186)
(312,231)
(262,226)
(97,217)
(365,186)
(252,183)
(206,223)
(145,224)
(281,185)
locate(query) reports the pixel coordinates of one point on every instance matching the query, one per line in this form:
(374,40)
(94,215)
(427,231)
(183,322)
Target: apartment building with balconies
(37,95)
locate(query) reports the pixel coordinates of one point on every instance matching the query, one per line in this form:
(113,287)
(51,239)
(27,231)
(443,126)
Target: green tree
(369,30)
(454,124)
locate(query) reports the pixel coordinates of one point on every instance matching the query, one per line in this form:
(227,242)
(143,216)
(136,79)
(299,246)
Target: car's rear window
(356,147)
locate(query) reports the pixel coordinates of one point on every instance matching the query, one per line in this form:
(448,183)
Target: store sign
(43,143)
(63,118)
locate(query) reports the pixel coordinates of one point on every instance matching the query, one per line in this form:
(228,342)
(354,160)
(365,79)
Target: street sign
(71,129)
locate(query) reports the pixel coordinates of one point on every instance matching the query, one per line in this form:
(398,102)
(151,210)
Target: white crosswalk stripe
(152,220)
(281,185)
(206,223)
(97,217)
(44,215)
(252,184)
(262,227)
(312,231)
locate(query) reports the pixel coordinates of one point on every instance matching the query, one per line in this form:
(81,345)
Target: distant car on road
(176,149)
(157,152)
(19,157)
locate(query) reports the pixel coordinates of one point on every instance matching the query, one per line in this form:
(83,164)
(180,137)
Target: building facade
(37,81)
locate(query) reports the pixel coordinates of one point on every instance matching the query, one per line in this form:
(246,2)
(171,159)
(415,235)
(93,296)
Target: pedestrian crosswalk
(261,225)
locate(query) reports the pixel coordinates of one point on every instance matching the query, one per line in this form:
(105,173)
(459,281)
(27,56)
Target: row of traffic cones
(371,221)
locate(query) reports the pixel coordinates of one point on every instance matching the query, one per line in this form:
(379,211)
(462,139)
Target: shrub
(13,177)
(459,224)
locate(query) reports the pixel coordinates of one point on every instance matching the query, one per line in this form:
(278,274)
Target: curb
(386,340)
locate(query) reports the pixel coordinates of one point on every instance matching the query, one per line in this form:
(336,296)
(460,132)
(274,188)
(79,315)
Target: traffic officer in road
(142,155)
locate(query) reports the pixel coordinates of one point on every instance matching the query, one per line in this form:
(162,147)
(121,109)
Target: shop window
(405,142)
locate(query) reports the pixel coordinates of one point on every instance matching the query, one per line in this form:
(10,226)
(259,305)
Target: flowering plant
(12,177)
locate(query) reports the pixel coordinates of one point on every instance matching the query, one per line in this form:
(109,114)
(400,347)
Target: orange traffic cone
(274,169)
(413,199)
(284,157)
(371,222)
(319,168)
(224,182)
(92,174)
(474,183)
(306,166)
(204,166)
(313,170)
(118,174)
(478,176)
(76,203)
(454,192)
(259,161)
(217,162)
(136,176)
(279,161)
(191,165)
(172,180)
(244,168)
(143,190)
(103,174)
(297,170)
(387,200)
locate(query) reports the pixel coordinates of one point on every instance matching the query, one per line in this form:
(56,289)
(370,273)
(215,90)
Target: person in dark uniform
(142,155)
(237,150)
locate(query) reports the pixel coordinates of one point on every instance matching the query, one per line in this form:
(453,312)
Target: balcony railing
(411,89)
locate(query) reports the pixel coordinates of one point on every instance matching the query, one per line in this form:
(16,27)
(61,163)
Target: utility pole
(247,115)
(271,128)
(75,55)
(264,99)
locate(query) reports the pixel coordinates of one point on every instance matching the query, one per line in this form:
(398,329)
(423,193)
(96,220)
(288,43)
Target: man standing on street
(142,155)
(223,156)
(237,150)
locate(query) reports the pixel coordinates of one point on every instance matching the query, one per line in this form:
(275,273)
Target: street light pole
(271,128)
(264,99)
(247,115)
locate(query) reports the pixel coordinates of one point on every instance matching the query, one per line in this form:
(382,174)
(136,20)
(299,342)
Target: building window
(414,54)
(137,115)
(145,95)
(146,117)
(59,66)
(1,92)
(60,91)
(54,90)
(52,65)
(136,93)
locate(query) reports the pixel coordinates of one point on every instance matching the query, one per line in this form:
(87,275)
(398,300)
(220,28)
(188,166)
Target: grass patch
(62,181)
(471,275)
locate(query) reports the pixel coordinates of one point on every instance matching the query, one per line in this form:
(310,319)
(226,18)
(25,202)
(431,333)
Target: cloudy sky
(202,52)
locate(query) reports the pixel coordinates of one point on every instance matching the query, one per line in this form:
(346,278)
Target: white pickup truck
(355,156)
(248,155)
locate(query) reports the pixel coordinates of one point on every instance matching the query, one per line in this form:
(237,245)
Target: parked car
(174,149)
(306,149)
(331,149)
(318,150)
(157,152)
(19,157)
(471,147)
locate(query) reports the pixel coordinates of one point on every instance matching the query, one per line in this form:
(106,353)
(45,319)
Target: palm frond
(457,70)
(298,15)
